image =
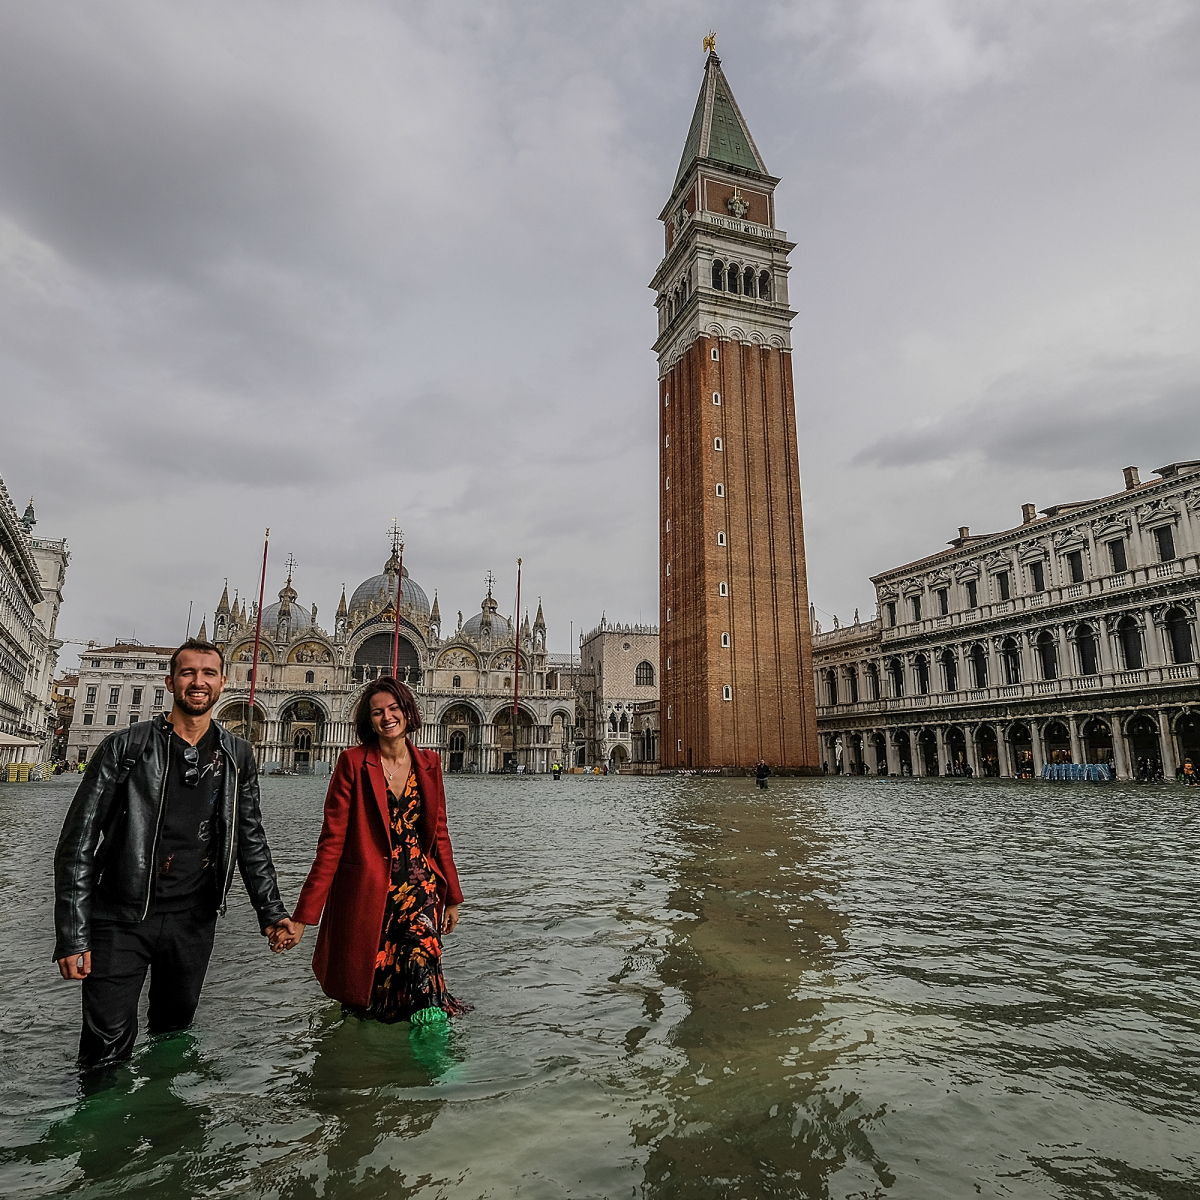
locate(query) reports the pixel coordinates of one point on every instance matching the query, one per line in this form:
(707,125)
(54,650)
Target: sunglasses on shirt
(191,774)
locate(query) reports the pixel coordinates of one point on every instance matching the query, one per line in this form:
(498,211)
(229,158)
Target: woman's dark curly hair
(408,706)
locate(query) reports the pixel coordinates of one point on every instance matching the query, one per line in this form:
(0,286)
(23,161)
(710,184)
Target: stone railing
(1033,690)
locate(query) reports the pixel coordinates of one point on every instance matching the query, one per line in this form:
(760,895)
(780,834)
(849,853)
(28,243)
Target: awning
(11,739)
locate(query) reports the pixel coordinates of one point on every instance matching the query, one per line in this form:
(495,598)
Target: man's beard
(181,702)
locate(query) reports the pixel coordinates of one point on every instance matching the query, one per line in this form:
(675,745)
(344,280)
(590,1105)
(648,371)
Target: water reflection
(750,1110)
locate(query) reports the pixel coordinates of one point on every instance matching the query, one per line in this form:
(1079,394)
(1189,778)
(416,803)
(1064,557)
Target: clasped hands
(285,934)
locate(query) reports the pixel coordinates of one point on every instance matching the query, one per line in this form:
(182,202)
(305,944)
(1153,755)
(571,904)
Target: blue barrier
(1077,772)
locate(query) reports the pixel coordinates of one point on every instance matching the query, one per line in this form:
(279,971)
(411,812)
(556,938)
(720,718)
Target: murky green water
(684,988)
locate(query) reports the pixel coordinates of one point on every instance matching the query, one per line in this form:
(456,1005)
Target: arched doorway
(1187,730)
(903,750)
(513,741)
(1097,741)
(303,732)
(233,717)
(1142,731)
(618,758)
(987,751)
(927,748)
(1022,750)
(462,726)
(956,750)
(1058,742)
(374,658)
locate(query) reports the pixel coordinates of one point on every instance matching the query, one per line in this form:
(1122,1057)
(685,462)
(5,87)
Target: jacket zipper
(162,808)
(232,833)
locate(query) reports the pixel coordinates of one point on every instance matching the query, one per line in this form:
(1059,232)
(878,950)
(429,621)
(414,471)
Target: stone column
(1155,651)
(1166,742)
(972,749)
(942,753)
(918,755)
(1026,653)
(1120,749)
(893,755)
(1039,750)
(1002,751)
(994,666)
(1077,755)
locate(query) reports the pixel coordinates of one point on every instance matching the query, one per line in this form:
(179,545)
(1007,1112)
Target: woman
(384,871)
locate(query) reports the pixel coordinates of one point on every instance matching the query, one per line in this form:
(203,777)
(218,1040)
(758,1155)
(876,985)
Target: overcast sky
(319,265)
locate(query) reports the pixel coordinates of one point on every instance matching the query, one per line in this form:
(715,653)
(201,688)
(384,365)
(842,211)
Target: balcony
(1035,689)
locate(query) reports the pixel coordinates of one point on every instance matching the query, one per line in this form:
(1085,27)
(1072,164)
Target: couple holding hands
(166,808)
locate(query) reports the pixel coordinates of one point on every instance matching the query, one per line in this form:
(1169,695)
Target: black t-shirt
(186,875)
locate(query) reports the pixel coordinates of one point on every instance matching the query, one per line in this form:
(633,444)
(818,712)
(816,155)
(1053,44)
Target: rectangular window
(668,530)
(943,599)
(1116,553)
(136,702)
(162,666)
(159,695)
(668,576)
(717,445)
(666,404)
(119,663)
(91,692)
(1001,586)
(972,594)
(1037,577)
(667,444)
(720,542)
(114,693)
(720,492)
(142,666)
(724,640)
(1075,566)
(1166,543)
(716,400)
(668,615)
(915,601)
(87,717)
(668,488)
(891,614)
(722,589)
(133,718)
(112,717)
(726,691)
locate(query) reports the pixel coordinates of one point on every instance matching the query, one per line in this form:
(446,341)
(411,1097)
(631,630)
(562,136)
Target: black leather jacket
(104,864)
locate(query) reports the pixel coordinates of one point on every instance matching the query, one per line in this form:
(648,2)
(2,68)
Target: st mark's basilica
(310,680)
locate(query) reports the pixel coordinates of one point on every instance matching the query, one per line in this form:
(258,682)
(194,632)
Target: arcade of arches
(1134,744)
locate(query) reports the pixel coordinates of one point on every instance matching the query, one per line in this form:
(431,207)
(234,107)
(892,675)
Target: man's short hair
(202,647)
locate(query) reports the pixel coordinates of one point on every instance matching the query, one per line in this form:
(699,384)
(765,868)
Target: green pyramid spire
(718,131)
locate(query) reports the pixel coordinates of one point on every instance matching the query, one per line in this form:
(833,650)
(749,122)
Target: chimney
(963,533)
(1131,478)
(1028,514)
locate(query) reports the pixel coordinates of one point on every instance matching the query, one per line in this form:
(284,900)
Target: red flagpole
(517,665)
(262,589)
(399,593)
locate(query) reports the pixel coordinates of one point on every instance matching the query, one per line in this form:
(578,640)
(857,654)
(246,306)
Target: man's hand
(285,934)
(76,966)
(450,918)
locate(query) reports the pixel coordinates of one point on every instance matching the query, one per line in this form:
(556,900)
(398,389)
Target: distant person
(146,859)
(383,884)
(762,773)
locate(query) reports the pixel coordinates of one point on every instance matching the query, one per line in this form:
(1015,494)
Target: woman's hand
(450,918)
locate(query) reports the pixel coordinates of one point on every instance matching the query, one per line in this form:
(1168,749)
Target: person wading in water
(383,884)
(146,857)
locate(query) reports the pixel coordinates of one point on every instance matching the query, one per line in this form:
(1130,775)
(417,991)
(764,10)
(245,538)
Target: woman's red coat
(350,875)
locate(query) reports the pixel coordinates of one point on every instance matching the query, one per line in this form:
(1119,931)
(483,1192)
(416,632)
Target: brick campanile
(736,653)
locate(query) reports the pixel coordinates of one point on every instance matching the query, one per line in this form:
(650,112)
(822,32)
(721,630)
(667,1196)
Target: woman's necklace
(390,775)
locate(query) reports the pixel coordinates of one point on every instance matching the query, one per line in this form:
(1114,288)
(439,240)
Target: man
(762,773)
(146,857)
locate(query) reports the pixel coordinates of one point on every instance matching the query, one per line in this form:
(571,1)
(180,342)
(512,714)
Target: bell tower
(736,651)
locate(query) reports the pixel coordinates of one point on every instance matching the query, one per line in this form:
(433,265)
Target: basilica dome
(502,629)
(300,619)
(372,595)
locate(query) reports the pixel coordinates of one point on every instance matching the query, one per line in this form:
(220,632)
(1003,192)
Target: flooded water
(682,988)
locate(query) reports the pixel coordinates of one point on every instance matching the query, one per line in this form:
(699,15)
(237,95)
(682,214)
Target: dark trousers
(175,947)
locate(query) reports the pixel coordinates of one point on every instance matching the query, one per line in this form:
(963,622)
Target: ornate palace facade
(735,654)
(1070,638)
(310,679)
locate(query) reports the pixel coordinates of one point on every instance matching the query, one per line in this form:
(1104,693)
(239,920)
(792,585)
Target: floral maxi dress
(408,967)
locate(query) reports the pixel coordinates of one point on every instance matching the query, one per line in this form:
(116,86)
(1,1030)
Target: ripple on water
(682,988)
